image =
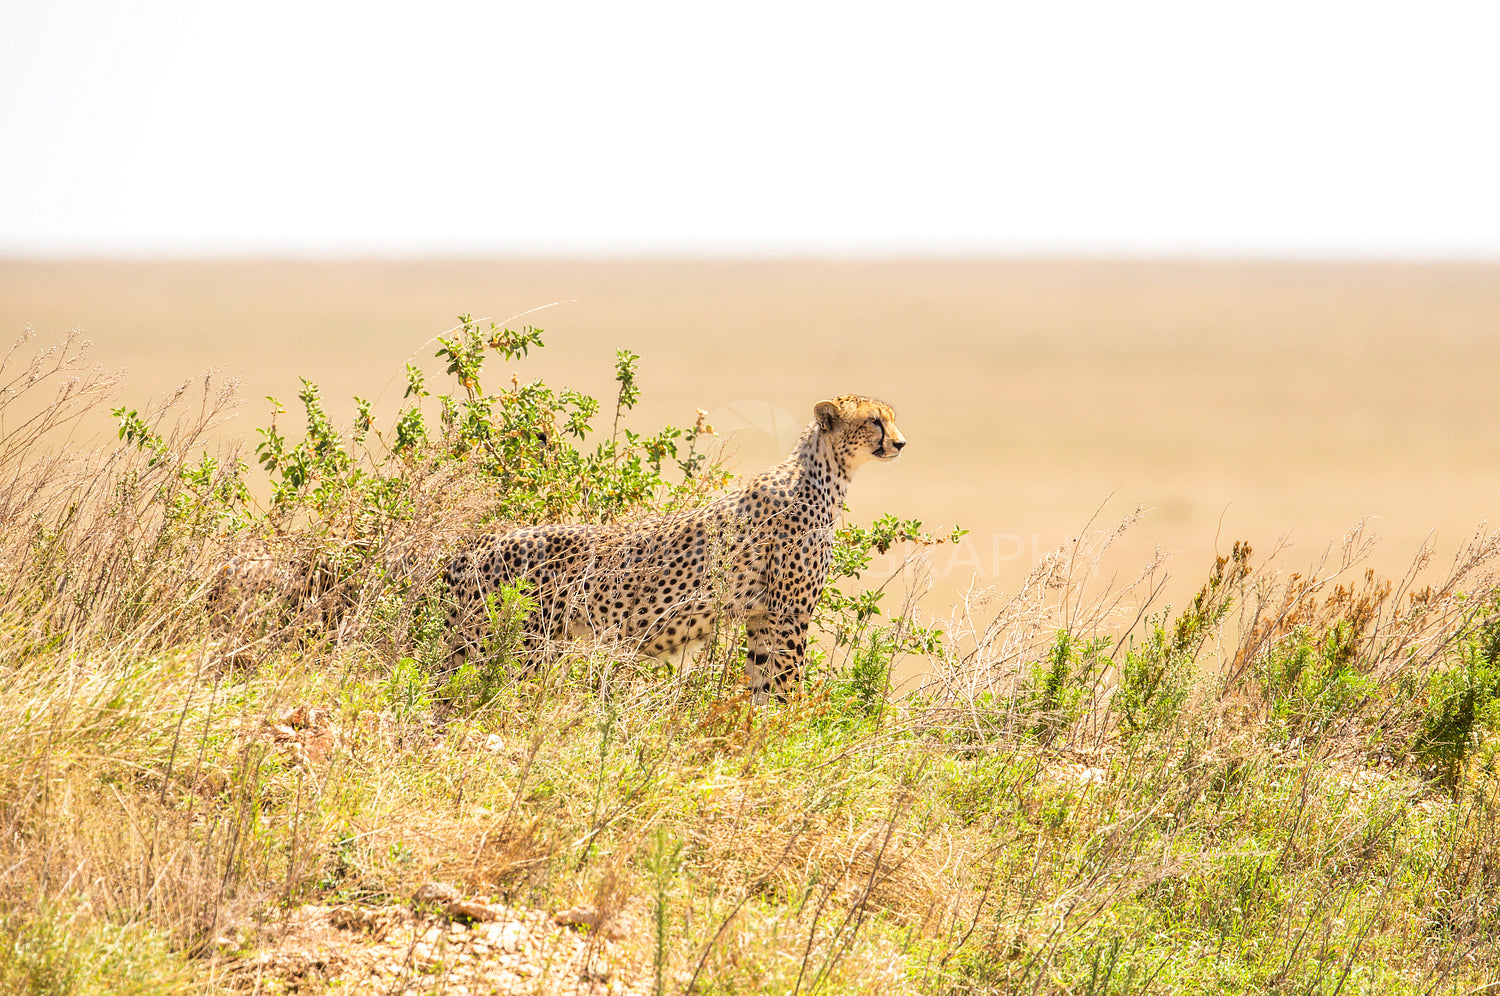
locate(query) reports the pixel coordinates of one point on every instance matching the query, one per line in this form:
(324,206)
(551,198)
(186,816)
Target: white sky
(1309,128)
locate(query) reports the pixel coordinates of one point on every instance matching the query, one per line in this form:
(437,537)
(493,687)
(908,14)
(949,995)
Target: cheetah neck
(820,465)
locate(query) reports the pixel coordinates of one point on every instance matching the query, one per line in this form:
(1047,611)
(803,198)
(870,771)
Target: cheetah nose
(899,444)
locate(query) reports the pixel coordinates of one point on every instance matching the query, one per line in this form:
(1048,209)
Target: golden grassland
(1238,399)
(222,779)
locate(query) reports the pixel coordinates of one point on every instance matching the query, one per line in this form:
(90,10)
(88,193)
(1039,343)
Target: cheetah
(758,555)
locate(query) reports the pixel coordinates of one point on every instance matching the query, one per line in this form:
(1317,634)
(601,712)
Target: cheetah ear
(826,413)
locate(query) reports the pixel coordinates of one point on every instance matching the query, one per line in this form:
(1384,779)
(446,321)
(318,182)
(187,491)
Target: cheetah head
(861,428)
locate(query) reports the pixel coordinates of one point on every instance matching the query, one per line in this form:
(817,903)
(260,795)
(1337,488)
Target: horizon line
(10,255)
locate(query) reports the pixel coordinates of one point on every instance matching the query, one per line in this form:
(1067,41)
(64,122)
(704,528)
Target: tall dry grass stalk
(996,636)
(88,547)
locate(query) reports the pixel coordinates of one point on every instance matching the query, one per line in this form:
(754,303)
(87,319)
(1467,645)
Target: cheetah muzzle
(758,555)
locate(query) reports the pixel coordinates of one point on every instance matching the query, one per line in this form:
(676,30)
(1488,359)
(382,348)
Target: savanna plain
(1204,700)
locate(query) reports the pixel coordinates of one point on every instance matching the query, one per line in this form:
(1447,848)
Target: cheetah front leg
(778,649)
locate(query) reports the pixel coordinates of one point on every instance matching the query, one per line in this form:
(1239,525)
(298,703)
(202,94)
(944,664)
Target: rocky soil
(442,943)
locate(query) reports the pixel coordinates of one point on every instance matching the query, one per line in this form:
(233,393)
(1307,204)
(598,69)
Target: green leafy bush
(866,644)
(1463,705)
(1059,687)
(1159,671)
(1313,679)
(501,658)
